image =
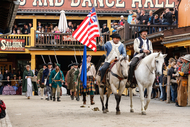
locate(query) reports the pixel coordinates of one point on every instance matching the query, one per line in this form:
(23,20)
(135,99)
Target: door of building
(4,66)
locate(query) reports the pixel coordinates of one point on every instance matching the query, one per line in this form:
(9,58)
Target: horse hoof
(132,110)
(143,113)
(118,112)
(105,111)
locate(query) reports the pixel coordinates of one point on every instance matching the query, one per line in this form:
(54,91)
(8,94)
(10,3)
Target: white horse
(145,74)
(117,79)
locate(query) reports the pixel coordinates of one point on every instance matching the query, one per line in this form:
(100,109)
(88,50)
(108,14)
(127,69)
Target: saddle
(112,63)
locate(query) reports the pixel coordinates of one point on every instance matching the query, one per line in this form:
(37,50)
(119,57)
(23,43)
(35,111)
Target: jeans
(103,69)
(173,89)
(166,23)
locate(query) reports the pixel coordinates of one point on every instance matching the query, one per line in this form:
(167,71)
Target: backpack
(2,109)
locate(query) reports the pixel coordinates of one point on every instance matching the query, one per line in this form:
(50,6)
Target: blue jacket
(45,74)
(108,48)
(129,19)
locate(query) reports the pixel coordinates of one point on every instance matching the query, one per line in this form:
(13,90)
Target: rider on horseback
(142,45)
(114,49)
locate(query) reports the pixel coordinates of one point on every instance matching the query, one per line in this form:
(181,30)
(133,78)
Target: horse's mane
(150,57)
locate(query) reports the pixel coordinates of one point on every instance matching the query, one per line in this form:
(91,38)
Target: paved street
(67,113)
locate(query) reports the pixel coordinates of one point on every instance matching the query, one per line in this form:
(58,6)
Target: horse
(116,79)
(145,75)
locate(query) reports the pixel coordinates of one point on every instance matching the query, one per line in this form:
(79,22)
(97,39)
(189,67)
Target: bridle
(153,72)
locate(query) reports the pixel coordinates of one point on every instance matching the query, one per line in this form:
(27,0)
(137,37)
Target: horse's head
(159,61)
(124,66)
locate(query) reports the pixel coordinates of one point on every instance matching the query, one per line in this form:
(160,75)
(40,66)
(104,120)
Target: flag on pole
(83,76)
(88,30)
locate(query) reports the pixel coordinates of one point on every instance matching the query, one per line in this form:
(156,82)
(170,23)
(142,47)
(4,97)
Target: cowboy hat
(186,57)
(143,29)
(44,65)
(49,63)
(115,36)
(134,14)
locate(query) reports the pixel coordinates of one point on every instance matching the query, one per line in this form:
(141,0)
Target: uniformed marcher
(70,80)
(142,45)
(114,49)
(56,79)
(70,66)
(45,80)
(91,72)
(39,80)
(184,71)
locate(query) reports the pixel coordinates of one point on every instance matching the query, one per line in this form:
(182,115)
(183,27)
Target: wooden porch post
(33,61)
(33,37)
(34,23)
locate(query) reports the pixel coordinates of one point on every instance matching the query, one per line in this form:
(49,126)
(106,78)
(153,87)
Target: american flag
(88,30)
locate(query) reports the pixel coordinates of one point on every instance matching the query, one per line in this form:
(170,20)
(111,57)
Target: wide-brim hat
(70,65)
(115,36)
(57,64)
(75,64)
(186,57)
(134,15)
(49,63)
(143,29)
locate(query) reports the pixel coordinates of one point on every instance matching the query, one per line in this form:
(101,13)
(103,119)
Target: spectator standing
(74,26)
(39,25)
(26,30)
(168,17)
(138,13)
(29,27)
(15,28)
(6,73)
(176,15)
(18,32)
(23,29)
(129,19)
(157,21)
(143,19)
(133,21)
(1,78)
(151,17)
(122,21)
(70,25)
(105,29)
(14,32)
(46,28)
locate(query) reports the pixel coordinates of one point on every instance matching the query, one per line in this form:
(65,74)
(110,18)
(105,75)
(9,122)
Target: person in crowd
(27,82)
(66,83)
(129,19)
(173,81)
(151,17)
(14,83)
(176,15)
(143,18)
(134,16)
(168,17)
(70,25)
(74,26)
(19,73)
(26,31)
(46,29)
(13,72)
(15,28)
(105,29)
(70,80)
(51,28)
(19,90)
(6,73)
(115,28)
(14,32)
(68,30)
(91,72)
(138,13)
(121,21)
(45,80)
(29,27)
(23,29)
(39,25)
(157,20)
(8,89)
(56,79)
(39,81)
(184,71)
(1,84)
(179,64)
(18,32)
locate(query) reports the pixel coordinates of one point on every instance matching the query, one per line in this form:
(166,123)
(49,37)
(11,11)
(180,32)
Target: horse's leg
(142,99)
(118,99)
(108,95)
(131,97)
(101,91)
(149,90)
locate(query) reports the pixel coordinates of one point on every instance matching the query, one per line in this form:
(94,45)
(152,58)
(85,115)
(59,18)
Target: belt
(57,80)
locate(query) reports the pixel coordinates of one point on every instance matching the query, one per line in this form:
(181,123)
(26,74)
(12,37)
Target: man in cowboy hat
(45,80)
(184,71)
(142,46)
(114,49)
(70,80)
(39,80)
(56,79)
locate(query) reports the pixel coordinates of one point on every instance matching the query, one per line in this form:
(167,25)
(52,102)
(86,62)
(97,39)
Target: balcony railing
(61,40)
(131,31)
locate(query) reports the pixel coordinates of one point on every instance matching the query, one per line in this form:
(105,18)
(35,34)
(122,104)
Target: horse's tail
(102,59)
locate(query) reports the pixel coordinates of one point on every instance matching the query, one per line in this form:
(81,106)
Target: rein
(150,70)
